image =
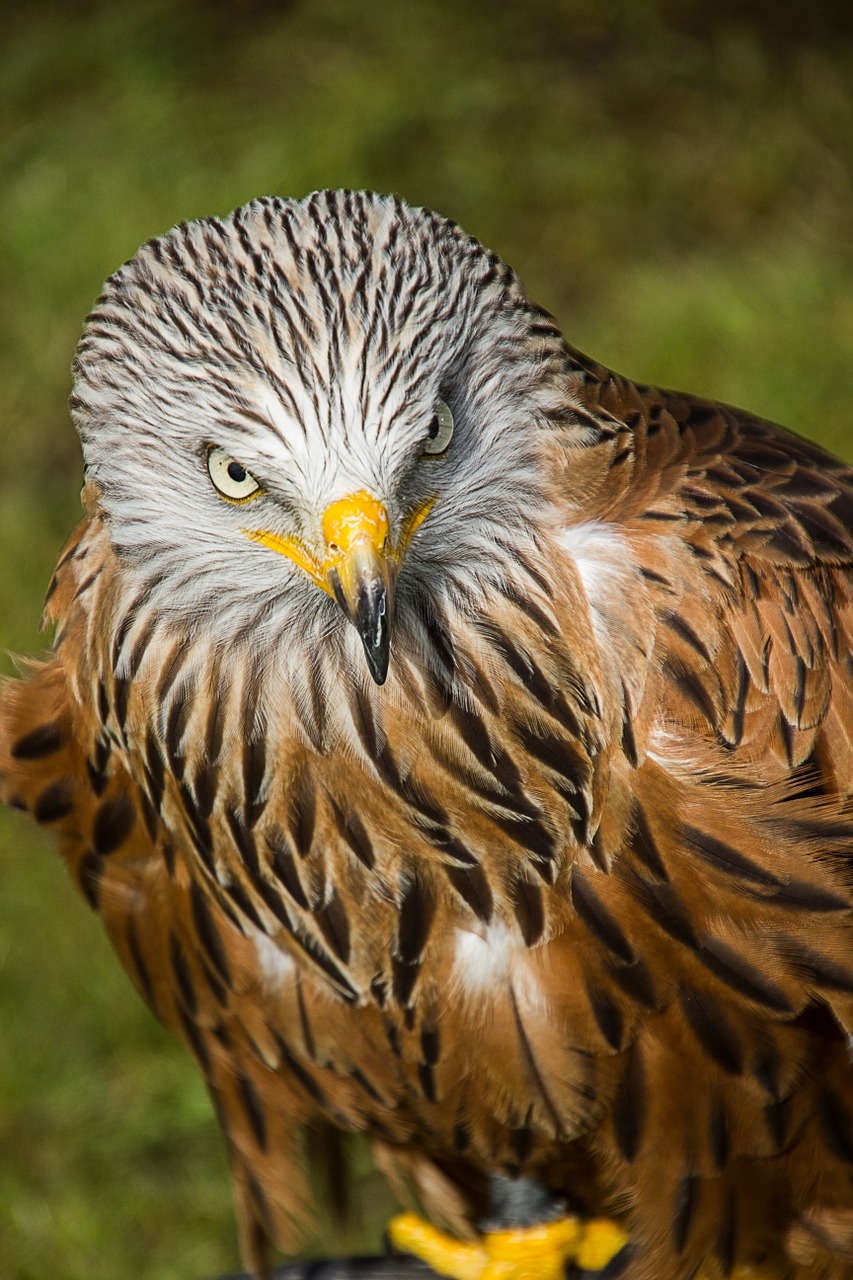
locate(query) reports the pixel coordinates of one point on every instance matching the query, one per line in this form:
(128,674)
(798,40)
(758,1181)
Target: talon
(538,1252)
(459,1259)
(602,1240)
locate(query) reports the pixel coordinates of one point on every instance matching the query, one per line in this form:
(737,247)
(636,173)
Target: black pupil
(434,427)
(236,472)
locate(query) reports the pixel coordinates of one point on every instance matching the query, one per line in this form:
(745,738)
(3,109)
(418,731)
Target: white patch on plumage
(275,965)
(493,961)
(618,602)
(606,566)
(483,961)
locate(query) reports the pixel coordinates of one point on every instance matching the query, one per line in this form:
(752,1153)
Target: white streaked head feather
(311,340)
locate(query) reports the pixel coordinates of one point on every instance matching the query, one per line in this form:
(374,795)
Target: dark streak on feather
(835,1124)
(684,1208)
(208,933)
(176,723)
(155,770)
(301,816)
(533,837)
(662,903)
(325,964)
(723,858)
(426,1079)
(364,720)
(526,898)
(560,755)
(46,740)
(352,829)
(630,1104)
(532,1065)
(718,1133)
(284,866)
(301,1073)
(712,1028)
(404,976)
(140,968)
(195,1039)
(97,766)
(471,885)
(90,872)
(607,1014)
(726,1245)
(114,821)
(636,981)
(254,771)
(304,1020)
(334,925)
(253,1109)
(776,1118)
(739,974)
(121,698)
(183,978)
(244,841)
(598,920)
(55,801)
(417,909)
(237,893)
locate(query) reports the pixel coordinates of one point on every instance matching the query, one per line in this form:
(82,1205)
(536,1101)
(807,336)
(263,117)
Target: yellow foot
(540,1252)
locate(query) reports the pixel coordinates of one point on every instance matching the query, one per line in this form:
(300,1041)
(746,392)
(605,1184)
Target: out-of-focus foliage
(673,180)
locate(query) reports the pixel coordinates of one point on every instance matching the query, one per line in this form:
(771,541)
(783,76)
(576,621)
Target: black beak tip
(372,624)
(377,662)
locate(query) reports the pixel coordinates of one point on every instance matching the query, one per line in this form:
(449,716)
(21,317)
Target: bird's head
(316,410)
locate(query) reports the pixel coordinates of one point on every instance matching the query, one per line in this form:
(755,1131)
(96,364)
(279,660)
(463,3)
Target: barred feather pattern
(569,896)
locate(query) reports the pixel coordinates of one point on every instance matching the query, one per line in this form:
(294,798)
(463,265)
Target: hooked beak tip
(365,599)
(371,621)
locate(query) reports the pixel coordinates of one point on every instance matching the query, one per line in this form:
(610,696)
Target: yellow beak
(359,567)
(361,574)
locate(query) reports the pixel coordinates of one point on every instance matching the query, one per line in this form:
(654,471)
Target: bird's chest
(400,906)
(368,833)
(397,865)
(368,836)
(365,875)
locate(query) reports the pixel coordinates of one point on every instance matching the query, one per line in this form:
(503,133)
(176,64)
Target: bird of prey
(456,740)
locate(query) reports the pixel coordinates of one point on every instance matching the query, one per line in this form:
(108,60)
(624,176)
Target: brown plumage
(569,896)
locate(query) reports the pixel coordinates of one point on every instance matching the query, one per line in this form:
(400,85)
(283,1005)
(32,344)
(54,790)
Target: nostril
(334,548)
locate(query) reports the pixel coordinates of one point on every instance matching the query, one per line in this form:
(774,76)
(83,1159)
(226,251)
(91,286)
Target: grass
(676,187)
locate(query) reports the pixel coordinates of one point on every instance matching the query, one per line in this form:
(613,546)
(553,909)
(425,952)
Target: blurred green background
(674,181)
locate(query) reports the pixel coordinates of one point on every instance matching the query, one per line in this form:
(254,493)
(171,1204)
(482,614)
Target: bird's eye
(230,477)
(440,431)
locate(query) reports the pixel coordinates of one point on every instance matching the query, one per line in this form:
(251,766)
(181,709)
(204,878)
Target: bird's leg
(520,1202)
(527,1236)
